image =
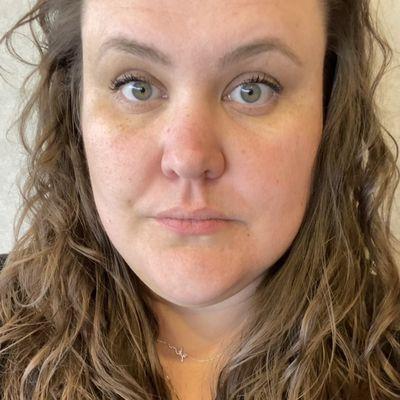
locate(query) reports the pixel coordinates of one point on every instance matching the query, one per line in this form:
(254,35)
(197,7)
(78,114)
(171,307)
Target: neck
(202,331)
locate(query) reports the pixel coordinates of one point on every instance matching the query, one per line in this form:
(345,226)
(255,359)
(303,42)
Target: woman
(208,198)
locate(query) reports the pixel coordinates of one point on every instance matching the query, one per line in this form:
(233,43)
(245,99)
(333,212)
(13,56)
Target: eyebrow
(242,52)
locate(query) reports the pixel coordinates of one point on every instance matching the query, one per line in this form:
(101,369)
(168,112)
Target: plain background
(11,154)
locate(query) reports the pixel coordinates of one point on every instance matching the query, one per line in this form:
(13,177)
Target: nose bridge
(191,143)
(196,108)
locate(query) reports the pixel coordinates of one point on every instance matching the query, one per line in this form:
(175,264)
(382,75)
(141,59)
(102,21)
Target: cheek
(278,179)
(117,160)
(289,167)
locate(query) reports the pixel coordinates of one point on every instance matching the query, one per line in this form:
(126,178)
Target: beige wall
(389,13)
(10,155)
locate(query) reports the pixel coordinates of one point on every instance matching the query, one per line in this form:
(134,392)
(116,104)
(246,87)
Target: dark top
(2,259)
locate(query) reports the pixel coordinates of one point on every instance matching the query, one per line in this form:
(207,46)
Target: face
(225,113)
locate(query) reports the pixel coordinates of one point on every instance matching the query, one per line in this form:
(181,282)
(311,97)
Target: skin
(189,146)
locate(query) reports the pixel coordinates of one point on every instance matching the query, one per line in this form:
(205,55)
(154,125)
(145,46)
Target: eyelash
(127,78)
(264,78)
(258,78)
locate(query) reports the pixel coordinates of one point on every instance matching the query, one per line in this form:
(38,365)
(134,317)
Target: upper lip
(199,214)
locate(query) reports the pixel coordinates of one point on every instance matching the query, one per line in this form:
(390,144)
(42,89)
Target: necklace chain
(182,354)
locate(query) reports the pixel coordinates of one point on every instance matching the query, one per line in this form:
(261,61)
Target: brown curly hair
(70,306)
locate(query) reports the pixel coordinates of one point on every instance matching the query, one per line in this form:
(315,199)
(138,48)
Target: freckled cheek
(117,164)
(284,169)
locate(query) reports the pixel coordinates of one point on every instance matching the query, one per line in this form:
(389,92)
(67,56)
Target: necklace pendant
(181,354)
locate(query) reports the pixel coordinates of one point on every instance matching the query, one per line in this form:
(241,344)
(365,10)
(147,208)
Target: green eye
(137,90)
(255,88)
(251,92)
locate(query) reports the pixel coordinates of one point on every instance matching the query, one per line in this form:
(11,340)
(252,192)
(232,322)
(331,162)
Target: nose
(191,145)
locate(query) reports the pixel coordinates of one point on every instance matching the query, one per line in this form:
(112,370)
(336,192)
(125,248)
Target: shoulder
(2,260)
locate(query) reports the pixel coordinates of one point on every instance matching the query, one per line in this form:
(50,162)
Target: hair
(325,322)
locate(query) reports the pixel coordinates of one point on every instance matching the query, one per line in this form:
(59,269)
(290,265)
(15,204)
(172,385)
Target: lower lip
(192,226)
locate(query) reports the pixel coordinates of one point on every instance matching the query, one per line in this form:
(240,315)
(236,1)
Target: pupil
(249,93)
(139,91)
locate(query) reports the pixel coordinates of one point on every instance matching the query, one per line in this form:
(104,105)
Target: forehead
(194,27)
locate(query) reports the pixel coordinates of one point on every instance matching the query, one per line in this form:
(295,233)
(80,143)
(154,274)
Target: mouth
(193,226)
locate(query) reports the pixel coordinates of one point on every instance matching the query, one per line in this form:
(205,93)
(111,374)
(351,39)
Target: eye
(257,87)
(139,89)
(135,88)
